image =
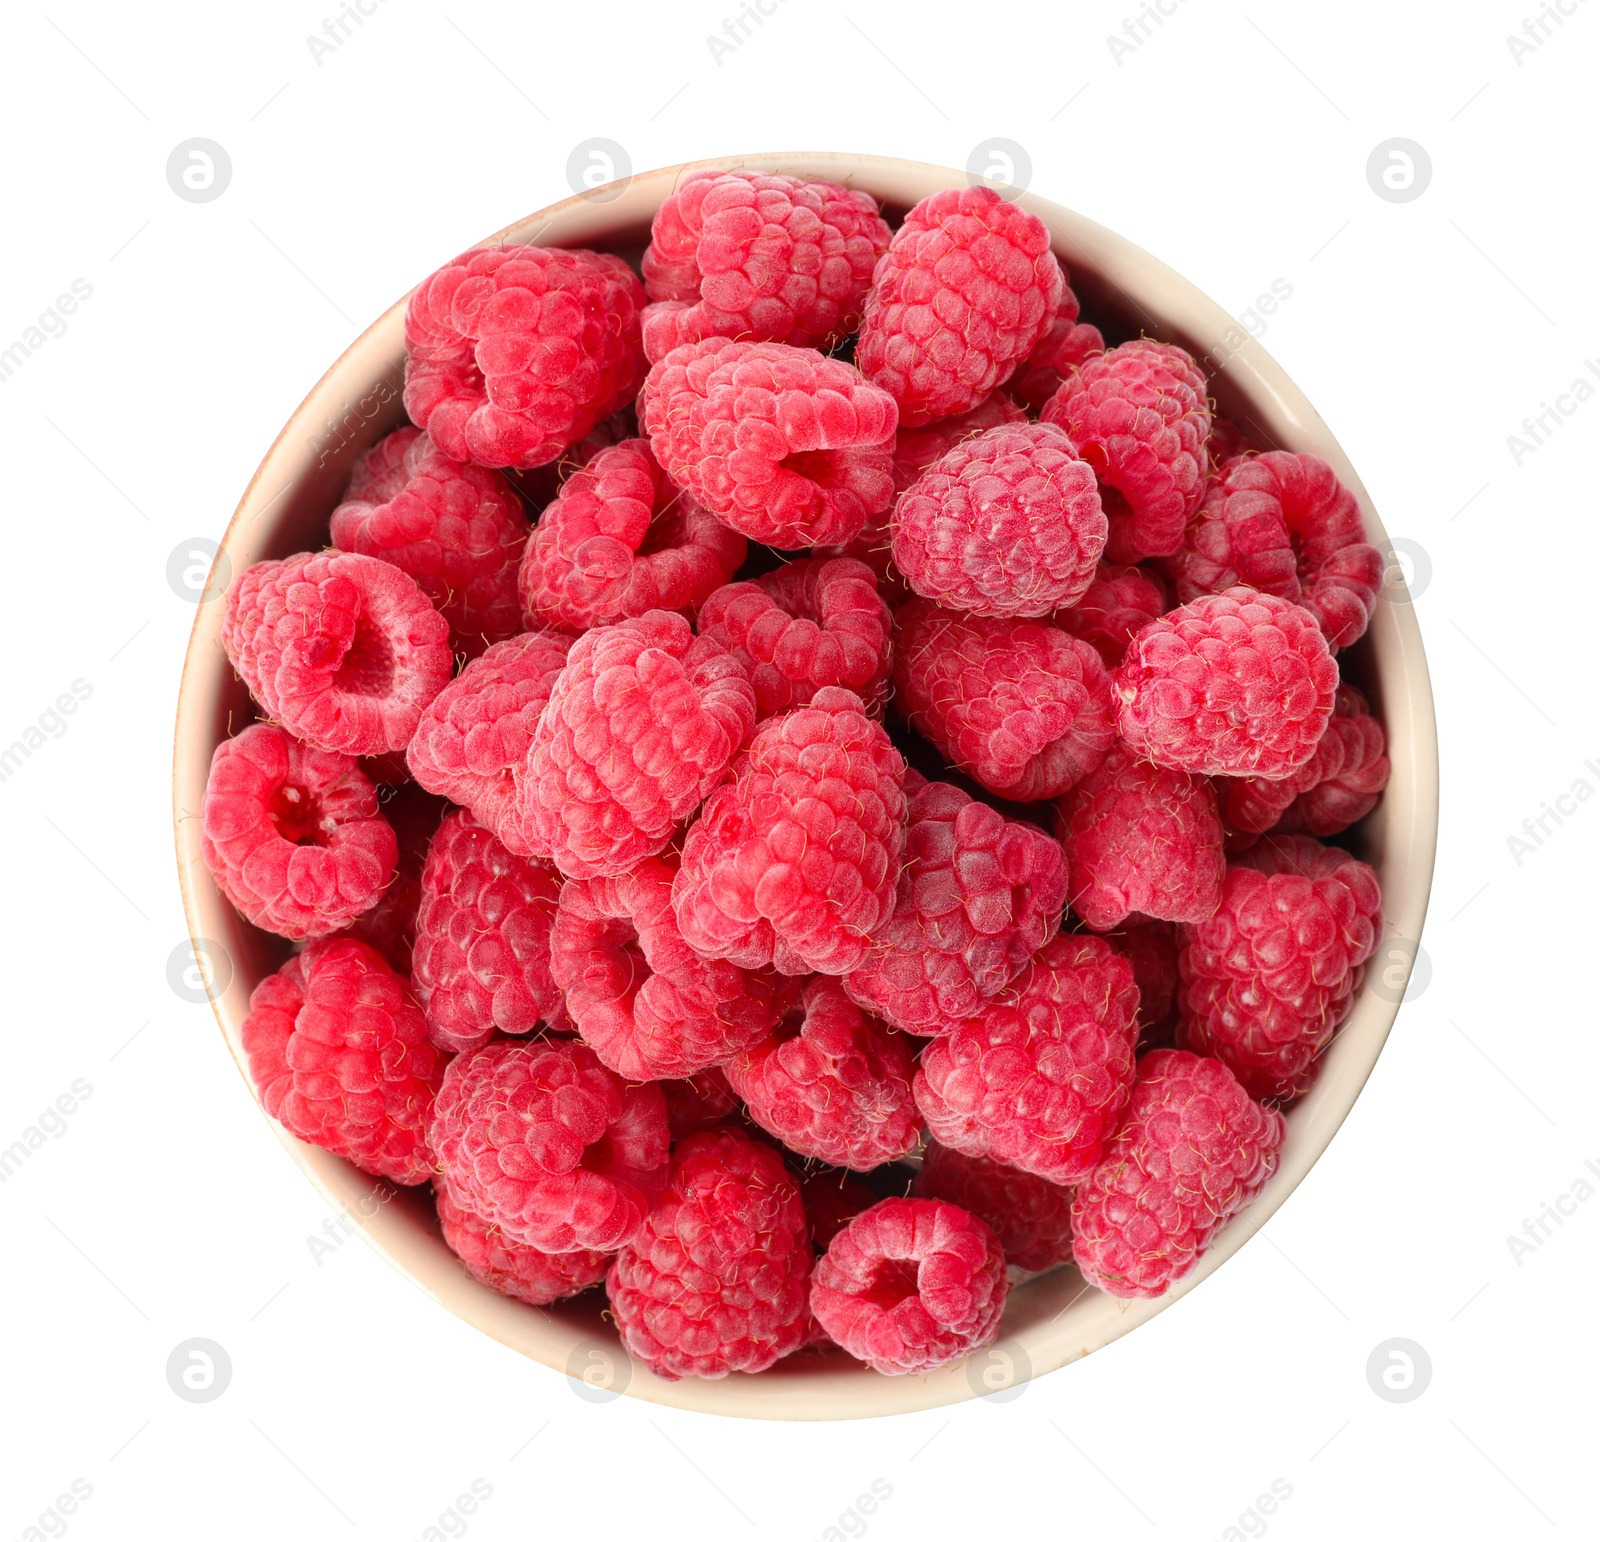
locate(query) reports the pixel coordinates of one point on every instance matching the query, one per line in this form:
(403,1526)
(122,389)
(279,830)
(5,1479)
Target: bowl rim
(1040,1334)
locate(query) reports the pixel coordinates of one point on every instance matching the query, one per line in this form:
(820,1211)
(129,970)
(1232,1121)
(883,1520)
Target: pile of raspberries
(800,784)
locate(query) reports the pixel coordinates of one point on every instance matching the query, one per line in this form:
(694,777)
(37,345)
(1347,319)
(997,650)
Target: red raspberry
(787,446)
(292,835)
(832,1199)
(482,959)
(620,539)
(1269,978)
(513,1268)
(1008,523)
(457,529)
(1138,415)
(640,726)
(515,352)
(339,1055)
(910,1285)
(1119,602)
(1233,684)
(645,1002)
(479,727)
(1067,344)
(344,650)
(716,1280)
(771,258)
(977,896)
(1192,1152)
(1030,1217)
(831,1082)
(1141,838)
(1152,948)
(1019,705)
(542,1141)
(794,862)
(963,295)
(697,1102)
(391,925)
(1038,1079)
(1237,536)
(810,623)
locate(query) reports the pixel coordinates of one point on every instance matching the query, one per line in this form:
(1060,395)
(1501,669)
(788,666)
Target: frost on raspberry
(515,352)
(621,539)
(1067,344)
(513,1268)
(1119,602)
(765,257)
(786,446)
(1030,1217)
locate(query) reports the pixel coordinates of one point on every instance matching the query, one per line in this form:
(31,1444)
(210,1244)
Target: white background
(1233,144)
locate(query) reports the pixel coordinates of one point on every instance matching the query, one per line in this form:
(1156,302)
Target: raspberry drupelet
(513,1268)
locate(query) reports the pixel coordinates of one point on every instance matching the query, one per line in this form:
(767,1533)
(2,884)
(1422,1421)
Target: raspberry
(1192,1152)
(697,1102)
(640,726)
(1237,536)
(809,624)
(620,539)
(787,446)
(1227,440)
(482,958)
(910,1285)
(479,727)
(643,1000)
(1039,1077)
(832,1199)
(1008,523)
(293,835)
(1141,838)
(1067,344)
(391,925)
(513,1268)
(794,862)
(916,449)
(1269,978)
(716,1280)
(1233,684)
(457,529)
(1030,1217)
(1152,948)
(831,1082)
(515,352)
(769,258)
(977,896)
(1019,705)
(543,1142)
(1138,415)
(964,294)
(339,1054)
(344,650)
(1118,602)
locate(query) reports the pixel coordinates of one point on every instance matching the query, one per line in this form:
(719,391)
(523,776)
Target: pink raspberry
(543,1142)
(1119,602)
(1268,979)
(1141,838)
(620,539)
(1138,415)
(771,258)
(794,862)
(1151,947)
(1237,536)
(1030,1217)
(515,352)
(1019,705)
(293,835)
(345,651)
(391,925)
(809,624)
(1066,345)
(910,1285)
(787,446)
(456,528)
(1193,1150)
(480,726)
(1008,523)
(1233,684)
(715,1282)
(963,295)
(482,956)
(513,1268)
(339,1055)
(978,894)
(644,1001)
(832,1199)
(698,1102)
(641,724)
(1039,1077)
(831,1083)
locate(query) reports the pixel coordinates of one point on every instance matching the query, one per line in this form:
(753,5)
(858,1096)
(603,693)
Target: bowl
(1051,1319)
